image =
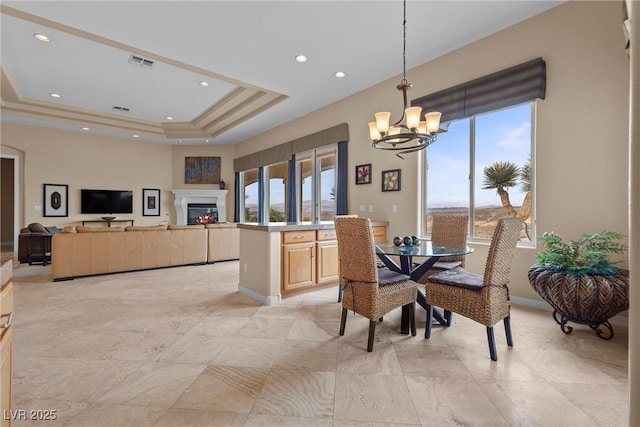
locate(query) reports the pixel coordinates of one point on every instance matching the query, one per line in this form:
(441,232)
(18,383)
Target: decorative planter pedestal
(589,300)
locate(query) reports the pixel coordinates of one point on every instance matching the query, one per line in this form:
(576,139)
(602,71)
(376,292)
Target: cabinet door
(298,266)
(327,266)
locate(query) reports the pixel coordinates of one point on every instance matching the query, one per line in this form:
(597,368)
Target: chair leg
(372,333)
(492,344)
(343,321)
(339,292)
(429,321)
(507,329)
(447,318)
(412,319)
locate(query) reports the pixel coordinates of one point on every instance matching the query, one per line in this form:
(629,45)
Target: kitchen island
(279,259)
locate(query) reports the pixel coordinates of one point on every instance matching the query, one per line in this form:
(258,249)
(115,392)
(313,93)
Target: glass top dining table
(428,254)
(426,250)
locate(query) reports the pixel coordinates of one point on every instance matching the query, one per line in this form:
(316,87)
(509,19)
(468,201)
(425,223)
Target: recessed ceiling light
(204,84)
(54,95)
(169,118)
(42,38)
(86,128)
(180,141)
(206,140)
(135,136)
(339,74)
(301,58)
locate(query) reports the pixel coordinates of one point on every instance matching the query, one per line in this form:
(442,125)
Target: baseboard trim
(263,299)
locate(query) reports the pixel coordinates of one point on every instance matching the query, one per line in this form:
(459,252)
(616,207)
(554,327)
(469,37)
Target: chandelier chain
(404,43)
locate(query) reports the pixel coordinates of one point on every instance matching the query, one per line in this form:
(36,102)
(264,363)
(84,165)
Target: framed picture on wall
(363,174)
(391,180)
(55,200)
(150,202)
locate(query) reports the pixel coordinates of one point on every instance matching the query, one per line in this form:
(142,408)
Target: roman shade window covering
(283,152)
(515,85)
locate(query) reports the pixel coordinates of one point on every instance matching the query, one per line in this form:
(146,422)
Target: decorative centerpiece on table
(579,280)
(406,240)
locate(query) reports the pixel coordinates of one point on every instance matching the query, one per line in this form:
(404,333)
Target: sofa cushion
(185,227)
(145,227)
(36,227)
(84,229)
(69,229)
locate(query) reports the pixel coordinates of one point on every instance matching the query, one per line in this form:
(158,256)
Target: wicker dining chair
(483,298)
(367,290)
(447,230)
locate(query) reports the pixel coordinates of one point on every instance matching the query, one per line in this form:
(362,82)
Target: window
(482,166)
(316,177)
(277,191)
(250,201)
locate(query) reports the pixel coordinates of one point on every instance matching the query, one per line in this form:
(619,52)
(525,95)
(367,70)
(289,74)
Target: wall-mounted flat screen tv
(106,201)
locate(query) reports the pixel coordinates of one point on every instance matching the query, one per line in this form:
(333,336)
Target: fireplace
(202,213)
(212,198)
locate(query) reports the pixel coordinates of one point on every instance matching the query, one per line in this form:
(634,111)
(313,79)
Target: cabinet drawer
(298,236)
(326,234)
(379,234)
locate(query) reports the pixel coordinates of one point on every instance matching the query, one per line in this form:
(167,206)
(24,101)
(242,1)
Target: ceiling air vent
(121,109)
(136,60)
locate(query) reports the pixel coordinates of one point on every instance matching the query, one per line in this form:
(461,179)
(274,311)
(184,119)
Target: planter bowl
(589,299)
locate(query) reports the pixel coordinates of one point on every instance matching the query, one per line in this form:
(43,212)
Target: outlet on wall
(370,208)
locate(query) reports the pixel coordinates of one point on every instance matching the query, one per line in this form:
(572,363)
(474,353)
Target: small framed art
(150,202)
(363,174)
(391,180)
(55,200)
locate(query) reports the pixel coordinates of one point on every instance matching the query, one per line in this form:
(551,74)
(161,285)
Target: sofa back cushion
(185,227)
(145,227)
(85,229)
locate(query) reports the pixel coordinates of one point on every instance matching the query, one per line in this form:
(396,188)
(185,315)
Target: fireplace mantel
(184,197)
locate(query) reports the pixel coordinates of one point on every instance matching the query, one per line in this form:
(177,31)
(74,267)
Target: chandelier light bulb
(412,115)
(373,132)
(382,121)
(433,121)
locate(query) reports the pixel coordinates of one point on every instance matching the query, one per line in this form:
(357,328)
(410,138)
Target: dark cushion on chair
(459,277)
(36,227)
(388,277)
(443,265)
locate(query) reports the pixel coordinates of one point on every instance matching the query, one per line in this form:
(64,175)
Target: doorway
(8,205)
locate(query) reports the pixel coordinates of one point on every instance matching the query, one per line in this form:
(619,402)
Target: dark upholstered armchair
(34,243)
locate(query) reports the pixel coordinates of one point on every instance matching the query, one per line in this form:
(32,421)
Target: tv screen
(106,201)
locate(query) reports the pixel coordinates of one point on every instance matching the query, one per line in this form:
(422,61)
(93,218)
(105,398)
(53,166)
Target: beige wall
(581,147)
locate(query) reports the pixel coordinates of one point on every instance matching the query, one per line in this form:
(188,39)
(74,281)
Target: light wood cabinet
(310,257)
(298,260)
(6,343)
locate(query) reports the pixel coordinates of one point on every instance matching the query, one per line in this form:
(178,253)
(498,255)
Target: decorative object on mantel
(578,280)
(55,200)
(201,170)
(408,134)
(222,185)
(150,202)
(391,180)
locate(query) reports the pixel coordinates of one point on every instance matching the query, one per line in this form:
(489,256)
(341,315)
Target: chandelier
(408,134)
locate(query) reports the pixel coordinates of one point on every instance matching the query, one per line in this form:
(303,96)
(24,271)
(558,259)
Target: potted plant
(579,280)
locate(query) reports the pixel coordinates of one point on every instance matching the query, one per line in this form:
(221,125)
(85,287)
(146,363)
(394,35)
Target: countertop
(296,226)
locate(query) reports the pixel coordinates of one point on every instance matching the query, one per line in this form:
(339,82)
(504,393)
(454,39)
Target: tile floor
(181,347)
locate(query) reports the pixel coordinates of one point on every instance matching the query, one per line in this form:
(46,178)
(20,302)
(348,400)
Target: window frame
(424,209)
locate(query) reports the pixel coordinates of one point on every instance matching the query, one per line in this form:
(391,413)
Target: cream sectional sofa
(86,251)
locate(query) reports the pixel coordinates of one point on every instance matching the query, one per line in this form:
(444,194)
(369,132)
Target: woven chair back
(503,247)
(450,230)
(356,251)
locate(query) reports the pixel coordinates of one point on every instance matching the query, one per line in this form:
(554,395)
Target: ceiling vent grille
(137,60)
(121,109)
